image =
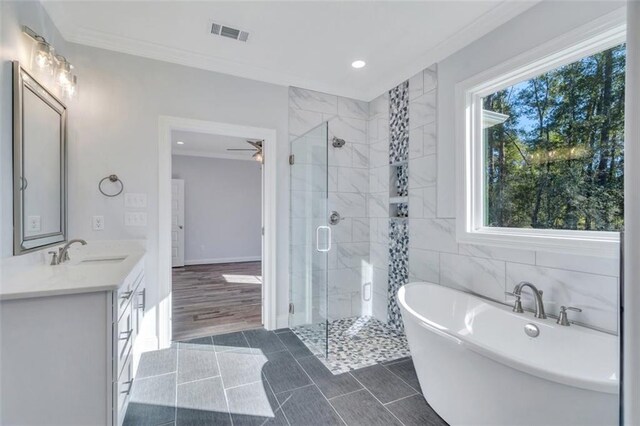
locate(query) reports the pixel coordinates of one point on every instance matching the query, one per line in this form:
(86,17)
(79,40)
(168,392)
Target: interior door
(177,222)
(310,235)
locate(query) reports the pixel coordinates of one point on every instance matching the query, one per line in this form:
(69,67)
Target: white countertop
(31,275)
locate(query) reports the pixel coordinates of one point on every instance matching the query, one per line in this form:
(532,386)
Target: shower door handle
(328,232)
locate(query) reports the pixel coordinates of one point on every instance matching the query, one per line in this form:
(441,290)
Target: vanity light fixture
(44,59)
(358,64)
(180,143)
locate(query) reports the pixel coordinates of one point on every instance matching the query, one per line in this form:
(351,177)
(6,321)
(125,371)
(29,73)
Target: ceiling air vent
(229,32)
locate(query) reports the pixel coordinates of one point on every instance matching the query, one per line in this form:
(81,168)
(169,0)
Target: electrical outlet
(33,224)
(135,201)
(98,223)
(135,219)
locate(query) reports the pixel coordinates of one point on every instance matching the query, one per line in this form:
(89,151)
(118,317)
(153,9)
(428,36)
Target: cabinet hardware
(127,334)
(126,295)
(130,385)
(142,294)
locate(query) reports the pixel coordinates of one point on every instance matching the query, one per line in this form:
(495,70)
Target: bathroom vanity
(68,334)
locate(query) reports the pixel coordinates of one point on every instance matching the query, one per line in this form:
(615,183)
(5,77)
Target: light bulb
(63,75)
(43,56)
(71,89)
(258,157)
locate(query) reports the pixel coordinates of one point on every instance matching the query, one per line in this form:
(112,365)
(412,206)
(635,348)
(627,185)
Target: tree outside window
(554,148)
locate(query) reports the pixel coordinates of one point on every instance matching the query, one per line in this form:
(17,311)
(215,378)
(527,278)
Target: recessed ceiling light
(180,143)
(358,64)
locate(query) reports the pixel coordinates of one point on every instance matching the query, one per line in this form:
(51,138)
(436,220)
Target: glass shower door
(310,237)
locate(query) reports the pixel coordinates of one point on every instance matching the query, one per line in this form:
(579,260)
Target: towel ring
(114,179)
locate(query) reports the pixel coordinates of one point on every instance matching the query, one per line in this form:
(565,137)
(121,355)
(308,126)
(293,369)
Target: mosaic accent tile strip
(402,210)
(399,123)
(354,343)
(398,229)
(398,269)
(402,180)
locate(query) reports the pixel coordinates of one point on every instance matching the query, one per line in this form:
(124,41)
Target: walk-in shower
(331,291)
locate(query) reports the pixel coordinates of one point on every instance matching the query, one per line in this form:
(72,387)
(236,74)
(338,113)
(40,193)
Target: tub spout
(537,295)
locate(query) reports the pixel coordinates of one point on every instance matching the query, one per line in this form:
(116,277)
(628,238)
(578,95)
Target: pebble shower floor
(354,343)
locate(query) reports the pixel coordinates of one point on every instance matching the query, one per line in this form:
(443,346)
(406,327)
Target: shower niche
(399,190)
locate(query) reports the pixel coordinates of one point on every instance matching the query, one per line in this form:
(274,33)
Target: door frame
(180,183)
(167,124)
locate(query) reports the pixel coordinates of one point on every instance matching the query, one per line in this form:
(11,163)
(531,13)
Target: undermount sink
(103,260)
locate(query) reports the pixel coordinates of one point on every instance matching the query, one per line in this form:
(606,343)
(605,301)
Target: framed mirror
(39,165)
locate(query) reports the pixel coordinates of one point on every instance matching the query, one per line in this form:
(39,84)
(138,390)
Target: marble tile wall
(359,189)
(349,269)
(378,203)
(434,254)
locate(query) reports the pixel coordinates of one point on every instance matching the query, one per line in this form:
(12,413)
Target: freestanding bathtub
(476,365)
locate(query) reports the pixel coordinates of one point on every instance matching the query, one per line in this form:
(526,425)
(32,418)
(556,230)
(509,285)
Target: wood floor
(216,299)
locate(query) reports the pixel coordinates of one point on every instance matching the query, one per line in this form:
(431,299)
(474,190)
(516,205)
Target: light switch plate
(33,223)
(135,219)
(98,223)
(135,200)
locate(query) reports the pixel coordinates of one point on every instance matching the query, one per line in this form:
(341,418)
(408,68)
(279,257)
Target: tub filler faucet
(537,295)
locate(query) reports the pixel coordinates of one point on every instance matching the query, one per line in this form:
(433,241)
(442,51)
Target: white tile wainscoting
(359,189)
(434,255)
(348,177)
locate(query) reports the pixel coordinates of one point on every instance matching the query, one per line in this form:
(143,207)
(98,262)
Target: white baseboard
(223,260)
(282,321)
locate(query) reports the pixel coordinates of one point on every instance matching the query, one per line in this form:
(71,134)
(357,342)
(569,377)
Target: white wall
(121,99)
(113,128)
(435,255)
(542,23)
(14,45)
(223,209)
(348,186)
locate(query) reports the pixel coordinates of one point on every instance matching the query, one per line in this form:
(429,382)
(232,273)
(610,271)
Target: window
(543,162)
(554,148)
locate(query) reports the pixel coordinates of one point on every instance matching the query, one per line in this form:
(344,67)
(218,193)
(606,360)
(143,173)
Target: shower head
(337,142)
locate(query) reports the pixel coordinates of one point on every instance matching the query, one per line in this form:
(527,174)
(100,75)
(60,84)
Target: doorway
(236,273)
(216,234)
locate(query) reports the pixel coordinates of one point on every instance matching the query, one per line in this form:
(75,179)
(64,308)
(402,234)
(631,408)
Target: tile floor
(259,377)
(354,343)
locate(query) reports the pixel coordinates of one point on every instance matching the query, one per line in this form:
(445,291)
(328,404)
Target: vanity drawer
(122,390)
(124,336)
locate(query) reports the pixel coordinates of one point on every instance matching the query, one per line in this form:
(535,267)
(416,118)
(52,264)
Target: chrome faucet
(63,252)
(537,295)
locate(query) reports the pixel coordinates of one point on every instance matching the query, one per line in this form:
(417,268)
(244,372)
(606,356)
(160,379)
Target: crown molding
(502,13)
(160,52)
(492,19)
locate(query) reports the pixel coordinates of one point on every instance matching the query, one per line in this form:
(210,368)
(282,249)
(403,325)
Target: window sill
(586,243)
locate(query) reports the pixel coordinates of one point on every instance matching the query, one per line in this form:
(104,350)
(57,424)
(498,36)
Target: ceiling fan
(257,147)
